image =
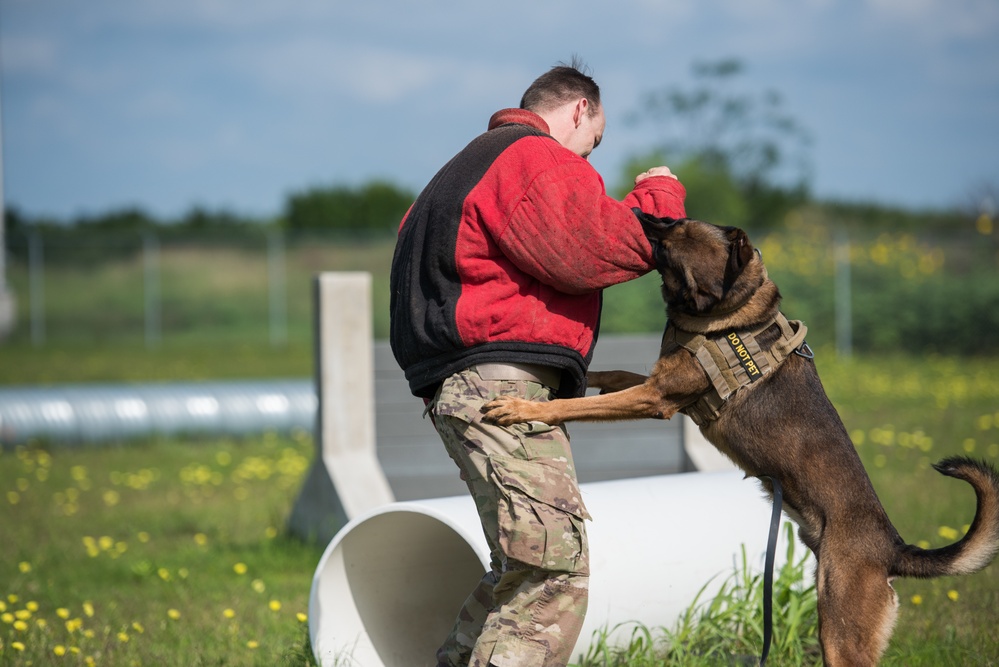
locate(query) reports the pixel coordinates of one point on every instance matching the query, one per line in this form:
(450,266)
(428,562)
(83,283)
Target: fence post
(151,265)
(346,478)
(278,290)
(36,287)
(8,305)
(843,298)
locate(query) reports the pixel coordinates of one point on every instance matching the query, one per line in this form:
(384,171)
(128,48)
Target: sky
(235,104)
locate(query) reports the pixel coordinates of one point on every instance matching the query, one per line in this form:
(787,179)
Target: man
(496,289)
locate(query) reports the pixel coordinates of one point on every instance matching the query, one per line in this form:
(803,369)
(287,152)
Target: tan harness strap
(733,361)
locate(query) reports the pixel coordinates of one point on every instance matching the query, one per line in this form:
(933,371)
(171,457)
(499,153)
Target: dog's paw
(507,410)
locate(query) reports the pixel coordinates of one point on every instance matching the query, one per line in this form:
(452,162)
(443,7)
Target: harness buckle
(804,350)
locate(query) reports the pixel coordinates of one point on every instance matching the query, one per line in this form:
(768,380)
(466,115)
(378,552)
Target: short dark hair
(561,84)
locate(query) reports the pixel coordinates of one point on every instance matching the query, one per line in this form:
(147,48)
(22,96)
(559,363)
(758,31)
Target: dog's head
(706,268)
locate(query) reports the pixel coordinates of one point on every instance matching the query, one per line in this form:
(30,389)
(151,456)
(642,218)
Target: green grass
(164,552)
(189,360)
(134,554)
(131,532)
(727,628)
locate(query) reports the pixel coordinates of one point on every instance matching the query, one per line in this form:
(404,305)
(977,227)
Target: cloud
(939,20)
(27,55)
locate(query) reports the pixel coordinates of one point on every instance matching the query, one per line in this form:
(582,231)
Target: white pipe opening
(390,583)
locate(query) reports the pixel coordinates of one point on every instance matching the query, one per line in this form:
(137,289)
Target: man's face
(589,133)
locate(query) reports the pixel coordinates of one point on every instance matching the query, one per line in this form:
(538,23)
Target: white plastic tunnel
(390,583)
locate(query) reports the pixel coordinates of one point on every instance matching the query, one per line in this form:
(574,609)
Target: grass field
(174,551)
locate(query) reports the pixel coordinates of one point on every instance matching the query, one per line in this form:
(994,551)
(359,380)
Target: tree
(376,206)
(726,143)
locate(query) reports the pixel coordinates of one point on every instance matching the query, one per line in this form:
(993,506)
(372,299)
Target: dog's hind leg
(857,610)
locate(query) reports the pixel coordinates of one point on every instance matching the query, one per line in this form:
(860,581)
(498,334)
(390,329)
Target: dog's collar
(765,299)
(734,360)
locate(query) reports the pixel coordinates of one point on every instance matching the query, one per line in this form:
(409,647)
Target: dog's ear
(653,226)
(655,231)
(740,253)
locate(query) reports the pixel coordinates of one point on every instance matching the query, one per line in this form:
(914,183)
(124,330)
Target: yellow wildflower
(947,533)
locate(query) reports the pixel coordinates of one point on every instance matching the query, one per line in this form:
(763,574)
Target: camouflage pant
(528,609)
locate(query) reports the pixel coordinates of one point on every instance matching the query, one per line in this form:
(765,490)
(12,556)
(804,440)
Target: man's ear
(580,111)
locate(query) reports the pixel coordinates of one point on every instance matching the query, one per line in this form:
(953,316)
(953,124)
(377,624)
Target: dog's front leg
(611,381)
(639,402)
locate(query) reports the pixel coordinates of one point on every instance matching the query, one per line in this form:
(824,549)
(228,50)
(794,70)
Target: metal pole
(151,262)
(843,307)
(36,287)
(8,311)
(278,291)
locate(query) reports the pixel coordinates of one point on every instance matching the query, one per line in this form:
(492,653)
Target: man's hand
(654,171)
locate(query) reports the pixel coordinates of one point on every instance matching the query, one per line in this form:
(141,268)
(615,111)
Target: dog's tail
(979,545)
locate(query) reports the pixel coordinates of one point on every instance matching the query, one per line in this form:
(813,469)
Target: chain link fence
(866,291)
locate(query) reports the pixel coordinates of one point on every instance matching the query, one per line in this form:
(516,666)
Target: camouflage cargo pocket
(513,651)
(541,519)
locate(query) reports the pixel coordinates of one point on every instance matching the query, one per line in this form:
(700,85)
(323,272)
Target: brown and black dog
(784,427)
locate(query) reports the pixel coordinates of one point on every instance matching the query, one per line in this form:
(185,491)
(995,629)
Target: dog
(778,422)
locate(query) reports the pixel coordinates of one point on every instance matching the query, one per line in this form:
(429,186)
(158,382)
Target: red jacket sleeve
(660,196)
(568,233)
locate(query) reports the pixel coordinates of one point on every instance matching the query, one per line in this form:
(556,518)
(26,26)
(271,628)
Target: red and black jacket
(503,256)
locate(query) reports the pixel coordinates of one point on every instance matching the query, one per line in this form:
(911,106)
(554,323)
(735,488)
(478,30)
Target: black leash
(768,572)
